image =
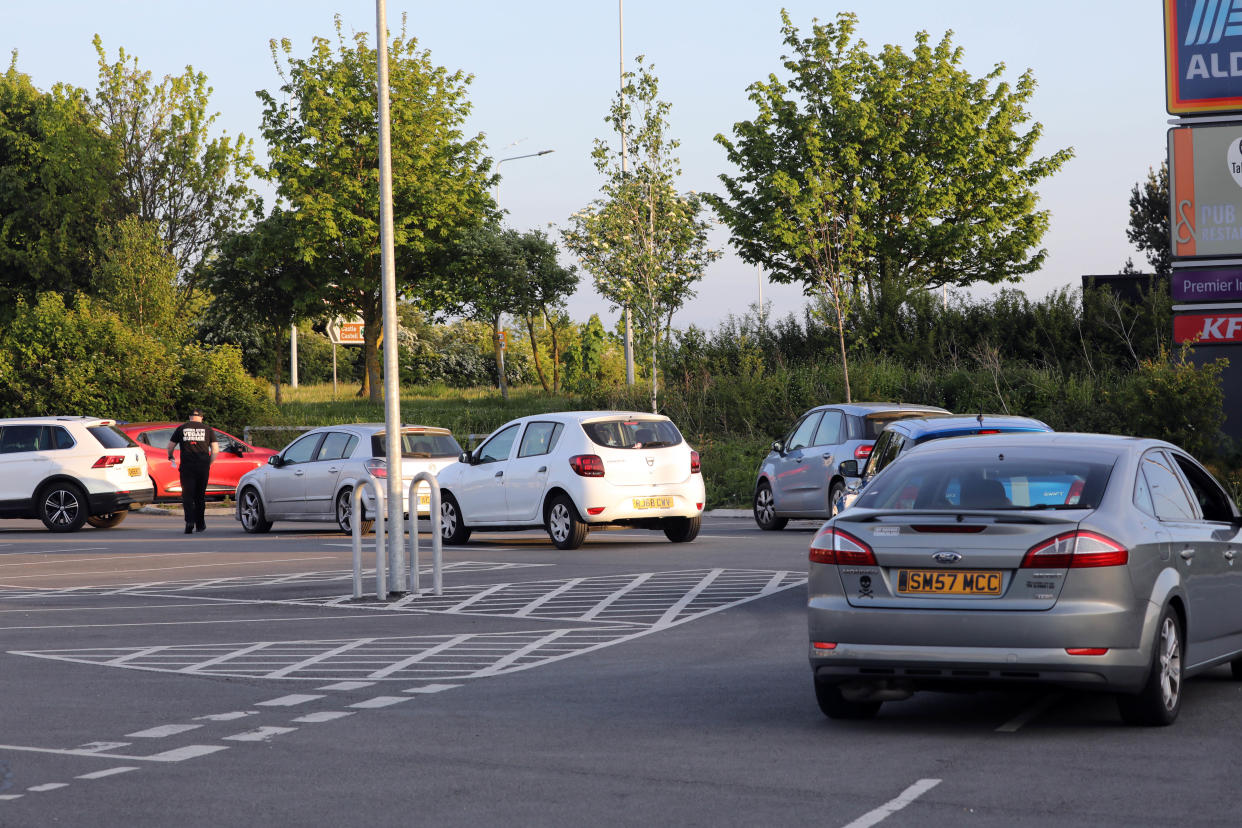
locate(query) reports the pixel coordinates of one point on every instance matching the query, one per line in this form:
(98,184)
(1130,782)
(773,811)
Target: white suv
(67,471)
(570,471)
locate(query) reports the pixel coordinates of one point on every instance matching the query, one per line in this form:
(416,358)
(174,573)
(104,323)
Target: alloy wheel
(1170,664)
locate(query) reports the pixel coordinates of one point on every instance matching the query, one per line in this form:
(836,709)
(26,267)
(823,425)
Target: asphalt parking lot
(151,677)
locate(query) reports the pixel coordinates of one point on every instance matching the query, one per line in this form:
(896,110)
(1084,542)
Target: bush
(213,379)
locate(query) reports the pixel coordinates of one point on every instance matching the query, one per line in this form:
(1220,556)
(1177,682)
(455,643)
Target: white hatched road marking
(227,717)
(259,734)
(162,731)
(894,805)
(619,608)
(50,786)
(431,688)
(178,755)
(289,701)
(7,797)
(1016,723)
(105,773)
(323,716)
(380,701)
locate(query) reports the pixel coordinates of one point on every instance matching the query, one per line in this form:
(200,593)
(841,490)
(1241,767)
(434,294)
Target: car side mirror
(467,458)
(275,461)
(848,468)
(778,446)
(236,448)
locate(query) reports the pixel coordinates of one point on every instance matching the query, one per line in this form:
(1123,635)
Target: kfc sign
(1208,328)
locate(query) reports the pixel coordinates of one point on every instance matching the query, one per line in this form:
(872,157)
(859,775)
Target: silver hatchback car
(1089,561)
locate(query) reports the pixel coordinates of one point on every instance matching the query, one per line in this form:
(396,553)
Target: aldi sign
(1220,328)
(1203,56)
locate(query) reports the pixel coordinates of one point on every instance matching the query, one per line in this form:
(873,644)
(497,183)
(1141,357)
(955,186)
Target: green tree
(879,175)
(486,271)
(260,286)
(136,277)
(1149,219)
(172,173)
(644,243)
(56,178)
(324,150)
(541,290)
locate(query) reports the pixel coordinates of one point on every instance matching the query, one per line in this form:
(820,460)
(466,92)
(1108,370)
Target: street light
(514,158)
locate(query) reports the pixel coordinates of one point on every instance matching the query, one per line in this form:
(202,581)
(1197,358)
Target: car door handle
(1230,555)
(333,469)
(542,469)
(499,474)
(1187,553)
(297,473)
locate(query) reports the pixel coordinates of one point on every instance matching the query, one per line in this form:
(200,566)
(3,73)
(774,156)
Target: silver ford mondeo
(1082,560)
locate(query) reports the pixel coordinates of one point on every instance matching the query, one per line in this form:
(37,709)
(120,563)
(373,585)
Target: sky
(545,72)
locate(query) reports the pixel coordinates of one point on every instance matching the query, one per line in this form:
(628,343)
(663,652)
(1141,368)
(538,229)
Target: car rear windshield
(873,424)
(1000,480)
(417,445)
(633,434)
(111,437)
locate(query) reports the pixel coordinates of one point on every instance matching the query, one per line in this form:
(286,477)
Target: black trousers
(194,492)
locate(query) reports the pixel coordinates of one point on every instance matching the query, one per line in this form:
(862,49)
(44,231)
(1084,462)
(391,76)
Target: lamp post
(514,158)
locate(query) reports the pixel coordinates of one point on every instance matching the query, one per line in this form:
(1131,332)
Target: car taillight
(587,465)
(833,546)
(108,461)
(863,452)
(695,466)
(376,467)
(1076,550)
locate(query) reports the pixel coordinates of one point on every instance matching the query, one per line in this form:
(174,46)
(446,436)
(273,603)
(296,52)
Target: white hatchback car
(314,477)
(569,471)
(67,471)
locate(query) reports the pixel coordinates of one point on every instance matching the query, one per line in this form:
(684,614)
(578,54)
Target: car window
(1024,480)
(1142,495)
(893,443)
(417,444)
(499,446)
(829,431)
(111,437)
(302,449)
(60,438)
(632,433)
(350,446)
(539,438)
(801,436)
(1167,494)
(157,437)
(1213,502)
(18,438)
(333,447)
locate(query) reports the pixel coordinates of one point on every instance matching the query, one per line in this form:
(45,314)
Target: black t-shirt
(195,440)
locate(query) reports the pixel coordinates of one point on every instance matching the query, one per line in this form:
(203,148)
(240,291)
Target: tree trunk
(280,367)
(556,359)
(372,384)
(845,365)
(500,359)
(534,350)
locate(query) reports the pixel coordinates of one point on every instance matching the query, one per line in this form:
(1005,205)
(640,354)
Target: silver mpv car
(1089,561)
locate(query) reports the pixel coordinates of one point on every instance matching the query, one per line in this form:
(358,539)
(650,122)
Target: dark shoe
(202,527)
(189,529)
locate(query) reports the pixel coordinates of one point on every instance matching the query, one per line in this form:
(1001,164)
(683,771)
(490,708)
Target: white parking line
(431,688)
(50,786)
(226,717)
(894,805)
(346,685)
(1039,707)
(103,773)
(7,797)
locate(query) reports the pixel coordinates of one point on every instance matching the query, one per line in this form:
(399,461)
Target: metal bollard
(381,587)
(437,546)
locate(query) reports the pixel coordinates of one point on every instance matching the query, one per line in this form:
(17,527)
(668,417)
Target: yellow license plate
(653,503)
(940,582)
(134,471)
(424,500)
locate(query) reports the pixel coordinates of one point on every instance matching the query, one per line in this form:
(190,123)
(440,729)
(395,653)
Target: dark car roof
(1114,444)
(862,409)
(919,428)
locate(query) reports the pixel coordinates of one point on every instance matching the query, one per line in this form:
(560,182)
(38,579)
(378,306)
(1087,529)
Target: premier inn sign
(1203,56)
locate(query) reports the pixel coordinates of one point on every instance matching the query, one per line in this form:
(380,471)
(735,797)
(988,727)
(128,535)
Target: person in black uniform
(198,449)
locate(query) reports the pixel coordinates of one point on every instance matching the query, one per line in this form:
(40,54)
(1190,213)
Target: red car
(235,459)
